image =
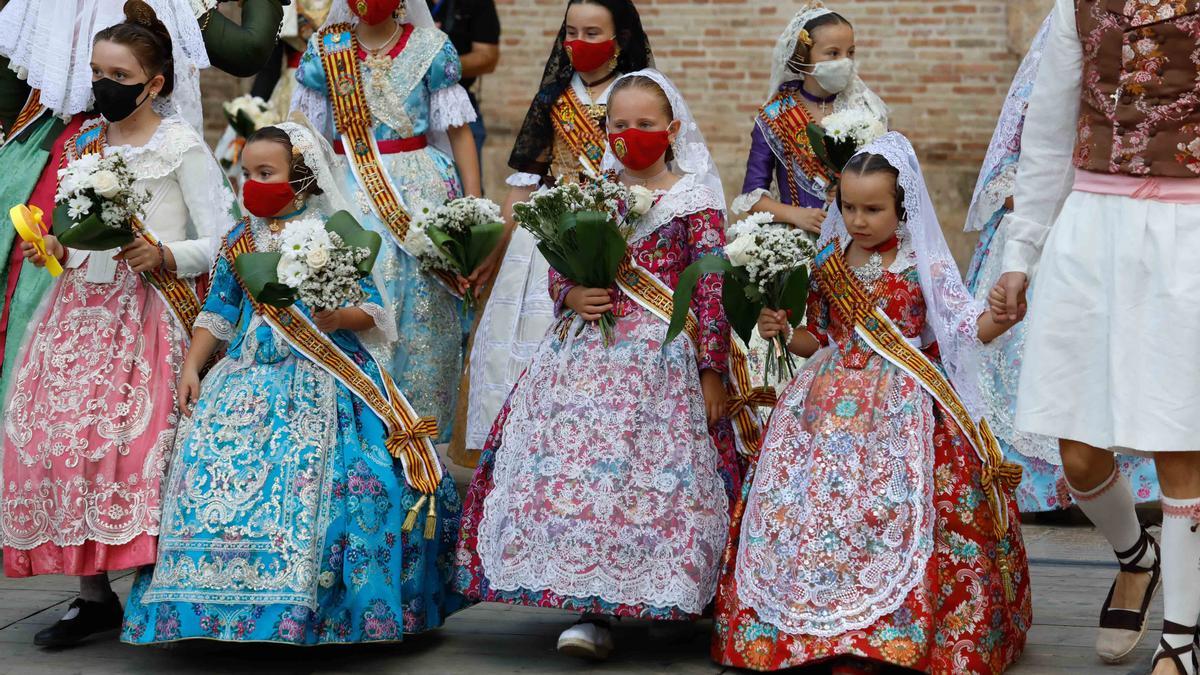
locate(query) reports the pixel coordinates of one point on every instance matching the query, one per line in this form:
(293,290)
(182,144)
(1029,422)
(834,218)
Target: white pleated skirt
(1112,352)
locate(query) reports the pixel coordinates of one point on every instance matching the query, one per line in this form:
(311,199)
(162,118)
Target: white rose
(105,184)
(317,258)
(740,251)
(641,199)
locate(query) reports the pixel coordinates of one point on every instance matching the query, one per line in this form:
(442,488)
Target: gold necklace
(376,50)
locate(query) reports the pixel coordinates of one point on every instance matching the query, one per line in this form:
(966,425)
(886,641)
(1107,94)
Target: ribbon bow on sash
(27,221)
(759,397)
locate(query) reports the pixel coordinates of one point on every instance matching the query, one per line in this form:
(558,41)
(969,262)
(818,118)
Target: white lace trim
(202,7)
(163,153)
(686,196)
(450,107)
(523,180)
(744,202)
(216,324)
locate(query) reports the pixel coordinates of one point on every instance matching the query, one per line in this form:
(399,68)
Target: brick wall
(943,67)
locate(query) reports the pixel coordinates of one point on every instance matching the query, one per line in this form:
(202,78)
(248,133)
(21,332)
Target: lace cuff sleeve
(216,324)
(743,203)
(523,180)
(450,107)
(385,324)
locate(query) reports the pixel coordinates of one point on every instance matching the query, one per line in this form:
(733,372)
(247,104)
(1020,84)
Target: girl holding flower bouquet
(878,525)
(605,484)
(90,419)
(284,518)
(813,76)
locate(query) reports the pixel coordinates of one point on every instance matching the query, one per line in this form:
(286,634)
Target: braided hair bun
(147,37)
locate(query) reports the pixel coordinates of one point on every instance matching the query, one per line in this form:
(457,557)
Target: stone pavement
(1070,578)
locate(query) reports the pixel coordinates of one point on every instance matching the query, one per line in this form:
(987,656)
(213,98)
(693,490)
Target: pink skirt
(89,429)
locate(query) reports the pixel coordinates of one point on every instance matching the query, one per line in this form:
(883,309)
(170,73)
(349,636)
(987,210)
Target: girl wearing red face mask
(396,70)
(605,485)
(599,40)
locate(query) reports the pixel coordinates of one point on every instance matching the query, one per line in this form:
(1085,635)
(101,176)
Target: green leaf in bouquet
(741,311)
(258,272)
(88,234)
(709,264)
(816,139)
(243,125)
(560,263)
(353,234)
(795,295)
(840,152)
(481,241)
(600,245)
(450,246)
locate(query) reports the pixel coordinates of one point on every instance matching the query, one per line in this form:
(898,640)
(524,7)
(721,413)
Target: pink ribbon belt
(1170,190)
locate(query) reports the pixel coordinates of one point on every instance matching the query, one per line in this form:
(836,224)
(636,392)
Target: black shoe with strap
(84,618)
(1178,654)
(1127,627)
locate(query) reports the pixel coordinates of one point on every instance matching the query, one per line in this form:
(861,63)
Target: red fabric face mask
(588,56)
(638,149)
(374,11)
(266,200)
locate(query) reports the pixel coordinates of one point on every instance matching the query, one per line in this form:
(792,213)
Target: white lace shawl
(49,44)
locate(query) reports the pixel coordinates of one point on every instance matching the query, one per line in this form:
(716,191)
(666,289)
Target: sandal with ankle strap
(1114,646)
(1176,654)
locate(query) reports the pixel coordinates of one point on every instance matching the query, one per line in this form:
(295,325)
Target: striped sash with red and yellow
(578,129)
(788,122)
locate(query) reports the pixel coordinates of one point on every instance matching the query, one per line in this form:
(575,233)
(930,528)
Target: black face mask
(117,101)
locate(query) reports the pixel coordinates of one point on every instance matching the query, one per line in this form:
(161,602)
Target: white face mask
(833,76)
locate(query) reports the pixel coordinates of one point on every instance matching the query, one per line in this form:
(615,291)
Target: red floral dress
(602,487)
(863,529)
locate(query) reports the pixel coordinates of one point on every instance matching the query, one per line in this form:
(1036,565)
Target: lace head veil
(999,165)
(537,132)
(950,311)
(856,96)
(691,152)
(49,44)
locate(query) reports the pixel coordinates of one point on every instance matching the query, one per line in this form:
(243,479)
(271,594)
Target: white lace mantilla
(687,196)
(606,482)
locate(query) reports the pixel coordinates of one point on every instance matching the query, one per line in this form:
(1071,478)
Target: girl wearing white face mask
(813,75)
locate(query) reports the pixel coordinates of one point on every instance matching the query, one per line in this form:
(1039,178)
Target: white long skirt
(1112,353)
(515,320)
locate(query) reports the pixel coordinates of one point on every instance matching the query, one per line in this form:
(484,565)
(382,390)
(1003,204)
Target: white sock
(1110,508)
(1181,566)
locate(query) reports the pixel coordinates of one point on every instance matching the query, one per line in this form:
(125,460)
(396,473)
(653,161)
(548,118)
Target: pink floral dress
(602,487)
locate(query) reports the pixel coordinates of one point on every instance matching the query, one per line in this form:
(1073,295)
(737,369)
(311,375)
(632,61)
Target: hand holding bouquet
(319,264)
(96,205)
(581,232)
(456,237)
(766,266)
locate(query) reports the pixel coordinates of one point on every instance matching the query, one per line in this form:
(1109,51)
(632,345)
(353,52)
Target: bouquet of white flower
(839,136)
(767,264)
(96,203)
(456,237)
(582,231)
(247,114)
(318,263)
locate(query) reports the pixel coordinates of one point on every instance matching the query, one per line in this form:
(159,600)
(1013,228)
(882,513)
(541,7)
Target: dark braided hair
(299,173)
(147,37)
(864,164)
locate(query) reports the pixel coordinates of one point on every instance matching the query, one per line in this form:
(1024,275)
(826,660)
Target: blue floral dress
(283,511)
(413,94)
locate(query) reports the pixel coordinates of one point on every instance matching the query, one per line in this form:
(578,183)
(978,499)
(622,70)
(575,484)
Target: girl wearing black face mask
(110,340)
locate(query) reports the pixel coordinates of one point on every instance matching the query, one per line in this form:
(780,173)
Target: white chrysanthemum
(77,207)
(291,270)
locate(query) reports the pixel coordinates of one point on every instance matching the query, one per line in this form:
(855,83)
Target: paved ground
(1070,572)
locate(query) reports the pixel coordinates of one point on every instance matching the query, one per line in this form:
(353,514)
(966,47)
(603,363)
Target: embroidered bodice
(411,90)
(230,317)
(899,295)
(190,201)
(685,224)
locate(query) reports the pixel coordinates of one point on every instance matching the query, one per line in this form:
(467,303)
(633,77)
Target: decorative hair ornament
(140,13)
(804,38)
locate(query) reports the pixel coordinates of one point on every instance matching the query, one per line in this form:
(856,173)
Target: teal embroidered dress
(283,511)
(413,95)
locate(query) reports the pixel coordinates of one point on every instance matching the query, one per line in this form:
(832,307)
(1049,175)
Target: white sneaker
(586,641)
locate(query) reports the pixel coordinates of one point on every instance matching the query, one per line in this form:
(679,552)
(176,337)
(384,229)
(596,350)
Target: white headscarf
(49,44)
(950,311)
(855,96)
(691,152)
